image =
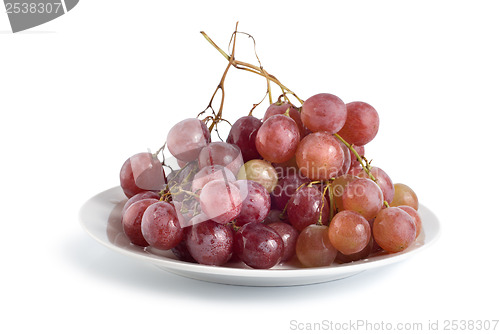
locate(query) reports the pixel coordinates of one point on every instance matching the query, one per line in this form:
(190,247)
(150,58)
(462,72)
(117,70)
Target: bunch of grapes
(292,186)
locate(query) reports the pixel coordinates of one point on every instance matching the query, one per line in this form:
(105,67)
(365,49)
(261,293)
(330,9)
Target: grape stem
(259,70)
(366,166)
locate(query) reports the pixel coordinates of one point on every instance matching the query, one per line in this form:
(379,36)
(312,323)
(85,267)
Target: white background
(84,92)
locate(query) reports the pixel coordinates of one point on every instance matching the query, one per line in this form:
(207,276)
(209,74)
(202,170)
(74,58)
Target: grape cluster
(292,186)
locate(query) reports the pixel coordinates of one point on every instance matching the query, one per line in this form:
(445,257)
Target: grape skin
(415,215)
(210,243)
(320,156)
(280,109)
(210,173)
(404,195)
(289,236)
(132,220)
(306,206)
(394,230)
(324,112)
(258,246)
(256,202)
(349,232)
(243,133)
(160,227)
(383,180)
(361,124)
(260,171)
(141,172)
(220,153)
(363,196)
(277,139)
(138,197)
(186,139)
(220,201)
(313,247)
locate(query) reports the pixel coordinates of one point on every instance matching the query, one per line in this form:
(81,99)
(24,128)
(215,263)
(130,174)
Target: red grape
(414,214)
(289,236)
(258,246)
(320,156)
(138,197)
(132,220)
(280,108)
(349,232)
(210,173)
(243,133)
(160,226)
(383,180)
(256,202)
(220,201)
(141,172)
(210,243)
(363,254)
(363,196)
(313,247)
(220,153)
(186,139)
(361,125)
(306,206)
(278,138)
(324,112)
(404,195)
(394,230)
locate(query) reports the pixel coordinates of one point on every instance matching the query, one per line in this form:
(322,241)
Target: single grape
(243,133)
(160,227)
(258,246)
(210,243)
(289,236)
(404,195)
(338,187)
(414,214)
(286,187)
(210,173)
(280,108)
(383,180)
(324,112)
(363,254)
(141,172)
(132,220)
(307,206)
(349,232)
(313,247)
(186,139)
(220,153)
(394,230)
(278,138)
(260,171)
(364,197)
(138,197)
(220,201)
(256,202)
(361,124)
(320,156)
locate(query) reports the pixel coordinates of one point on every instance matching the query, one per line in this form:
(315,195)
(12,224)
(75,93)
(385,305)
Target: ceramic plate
(100,216)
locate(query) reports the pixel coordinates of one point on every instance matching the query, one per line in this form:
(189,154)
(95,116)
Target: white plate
(100,216)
